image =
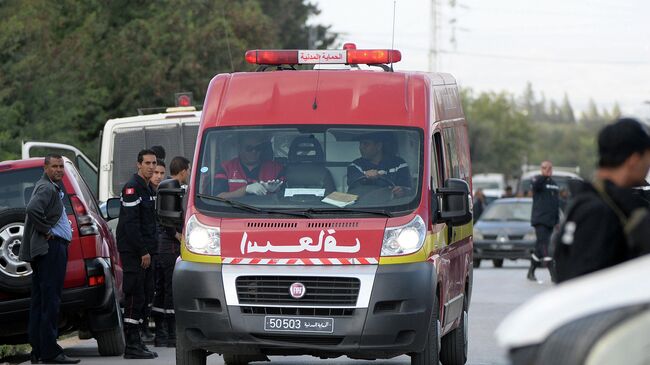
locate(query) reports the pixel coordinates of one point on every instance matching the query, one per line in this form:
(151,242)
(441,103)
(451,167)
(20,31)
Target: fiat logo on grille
(297,290)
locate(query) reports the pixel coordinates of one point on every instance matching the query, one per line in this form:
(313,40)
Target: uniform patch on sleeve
(129,191)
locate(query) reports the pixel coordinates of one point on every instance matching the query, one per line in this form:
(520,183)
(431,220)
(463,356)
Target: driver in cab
(248,173)
(378,166)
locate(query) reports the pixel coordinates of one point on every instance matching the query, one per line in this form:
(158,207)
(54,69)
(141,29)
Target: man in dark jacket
(137,240)
(45,246)
(607,222)
(544,217)
(169,245)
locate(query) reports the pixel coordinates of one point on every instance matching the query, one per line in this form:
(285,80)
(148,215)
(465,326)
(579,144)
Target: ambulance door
(86,168)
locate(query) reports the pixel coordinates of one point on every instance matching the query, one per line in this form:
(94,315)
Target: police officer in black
(607,221)
(136,241)
(544,217)
(169,246)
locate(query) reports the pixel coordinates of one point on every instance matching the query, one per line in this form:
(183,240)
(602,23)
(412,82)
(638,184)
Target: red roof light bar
(349,55)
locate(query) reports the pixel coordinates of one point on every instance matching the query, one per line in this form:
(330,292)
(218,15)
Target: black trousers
(163,302)
(543,234)
(149,282)
(133,287)
(47,284)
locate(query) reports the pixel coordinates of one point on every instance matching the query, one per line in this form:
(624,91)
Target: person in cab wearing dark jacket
(45,243)
(378,165)
(544,217)
(607,221)
(137,240)
(169,247)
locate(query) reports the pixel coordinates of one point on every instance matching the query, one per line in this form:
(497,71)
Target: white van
(121,140)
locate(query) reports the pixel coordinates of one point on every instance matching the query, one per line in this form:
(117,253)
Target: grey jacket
(43,212)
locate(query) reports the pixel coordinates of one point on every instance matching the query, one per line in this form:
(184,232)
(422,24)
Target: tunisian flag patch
(129,191)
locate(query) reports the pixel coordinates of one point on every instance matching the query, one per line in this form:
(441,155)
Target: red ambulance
(328,213)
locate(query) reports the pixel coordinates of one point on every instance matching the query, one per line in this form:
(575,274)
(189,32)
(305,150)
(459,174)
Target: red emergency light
(348,55)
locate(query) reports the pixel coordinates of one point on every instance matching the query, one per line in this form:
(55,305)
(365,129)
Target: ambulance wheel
(185,354)
(431,352)
(15,275)
(476,262)
(497,262)
(453,347)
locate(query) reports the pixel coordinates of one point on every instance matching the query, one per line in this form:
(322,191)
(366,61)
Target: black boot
(531,270)
(135,349)
(171,330)
(161,330)
(145,332)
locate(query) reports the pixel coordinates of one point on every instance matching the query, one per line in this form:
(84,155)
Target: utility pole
(433,38)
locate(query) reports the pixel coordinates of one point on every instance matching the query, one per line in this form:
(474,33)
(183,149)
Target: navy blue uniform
(392,168)
(136,236)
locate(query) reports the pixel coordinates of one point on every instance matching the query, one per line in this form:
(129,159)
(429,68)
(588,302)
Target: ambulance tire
(15,275)
(453,346)
(497,262)
(185,354)
(431,353)
(476,263)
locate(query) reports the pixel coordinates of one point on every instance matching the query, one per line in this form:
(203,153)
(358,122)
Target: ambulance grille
(320,291)
(272,225)
(333,225)
(299,311)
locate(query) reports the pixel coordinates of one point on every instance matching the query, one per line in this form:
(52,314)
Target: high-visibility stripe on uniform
(131,204)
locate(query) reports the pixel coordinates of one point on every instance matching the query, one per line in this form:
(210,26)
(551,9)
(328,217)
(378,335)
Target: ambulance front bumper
(390,317)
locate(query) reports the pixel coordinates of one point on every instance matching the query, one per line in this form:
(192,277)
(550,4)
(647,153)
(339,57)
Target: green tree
(68,66)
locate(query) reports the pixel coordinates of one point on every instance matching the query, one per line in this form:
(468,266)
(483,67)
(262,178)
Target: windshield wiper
(381,212)
(251,208)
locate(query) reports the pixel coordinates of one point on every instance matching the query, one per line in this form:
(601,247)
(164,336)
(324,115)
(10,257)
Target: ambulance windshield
(315,169)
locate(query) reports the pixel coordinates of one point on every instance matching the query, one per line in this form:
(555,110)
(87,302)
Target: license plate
(298,324)
(503,247)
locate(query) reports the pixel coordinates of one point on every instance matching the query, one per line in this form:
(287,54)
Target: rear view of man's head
(624,147)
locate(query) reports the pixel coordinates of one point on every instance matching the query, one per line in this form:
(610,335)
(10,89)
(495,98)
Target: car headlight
(530,236)
(478,235)
(405,239)
(202,239)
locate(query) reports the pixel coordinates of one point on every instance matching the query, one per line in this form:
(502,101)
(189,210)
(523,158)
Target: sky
(598,49)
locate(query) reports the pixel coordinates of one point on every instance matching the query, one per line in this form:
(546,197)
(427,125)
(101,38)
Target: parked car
(600,318)
(93,280)
(504,232)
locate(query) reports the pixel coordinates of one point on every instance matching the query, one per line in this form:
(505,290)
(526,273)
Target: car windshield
(310,170)
(508,211)
(16,187)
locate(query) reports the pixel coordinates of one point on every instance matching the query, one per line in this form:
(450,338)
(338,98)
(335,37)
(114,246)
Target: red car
(93,282)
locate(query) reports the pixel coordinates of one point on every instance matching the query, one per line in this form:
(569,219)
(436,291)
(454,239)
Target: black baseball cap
(620,140)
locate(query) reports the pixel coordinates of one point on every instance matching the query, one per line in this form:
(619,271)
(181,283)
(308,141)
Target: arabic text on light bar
(322,56)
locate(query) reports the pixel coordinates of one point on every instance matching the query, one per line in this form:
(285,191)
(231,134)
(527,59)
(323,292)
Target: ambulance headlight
(202,239)
(405,239)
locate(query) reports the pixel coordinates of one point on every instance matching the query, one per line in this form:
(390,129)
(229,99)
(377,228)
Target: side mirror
(169,205)
(111,209)
(455,205)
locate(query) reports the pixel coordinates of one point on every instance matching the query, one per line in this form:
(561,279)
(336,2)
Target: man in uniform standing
(136,241)
(607,221)
(169,247)
(544,217)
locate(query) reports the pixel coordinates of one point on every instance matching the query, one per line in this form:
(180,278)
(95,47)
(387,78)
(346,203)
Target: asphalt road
(496,293)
